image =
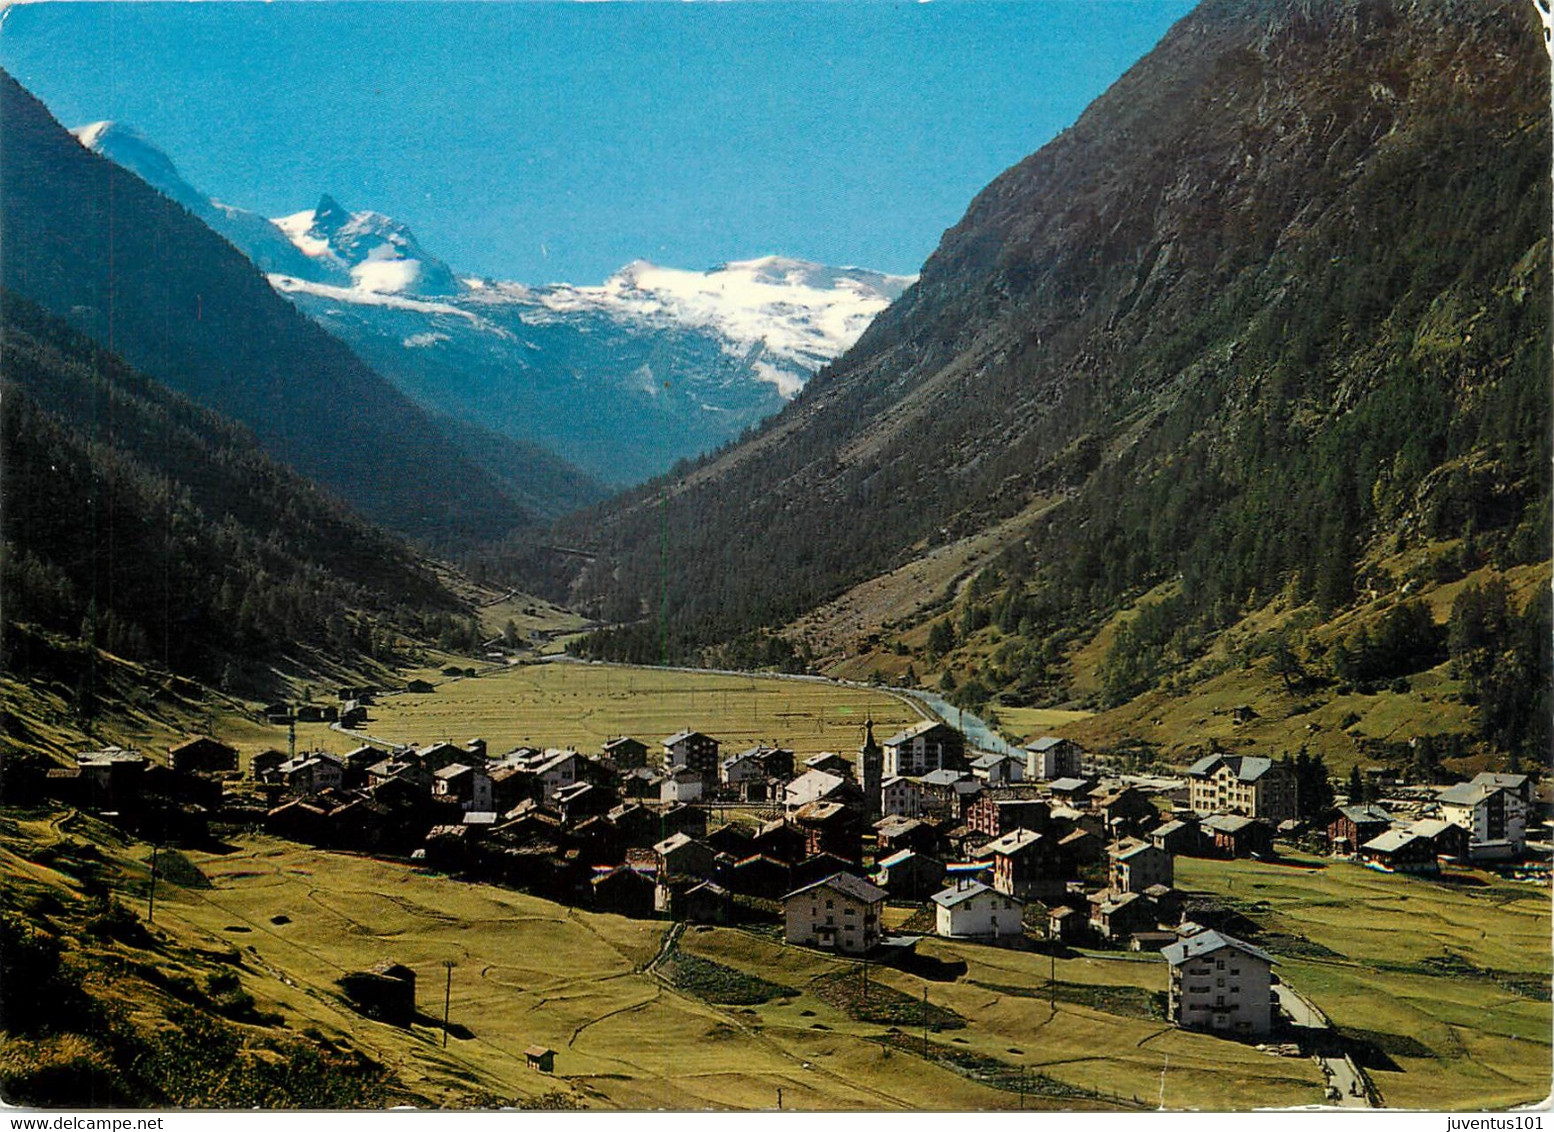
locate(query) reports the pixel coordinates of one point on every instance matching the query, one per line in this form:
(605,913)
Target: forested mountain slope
(95,245)
(1277,302)
(141,522)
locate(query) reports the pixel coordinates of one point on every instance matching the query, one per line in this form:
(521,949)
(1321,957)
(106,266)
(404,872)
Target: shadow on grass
(1461,880)
(455,1029)
(927,967)
(1289,863)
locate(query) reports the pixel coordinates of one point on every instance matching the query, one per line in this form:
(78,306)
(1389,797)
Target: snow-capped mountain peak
(378,253)
(798,314)
(126,146)
(654,364)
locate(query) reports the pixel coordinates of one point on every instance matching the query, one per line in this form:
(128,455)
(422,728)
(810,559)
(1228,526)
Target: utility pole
(925,1021)
(779,1098)
(151,899)
(447,997)
(1052,981)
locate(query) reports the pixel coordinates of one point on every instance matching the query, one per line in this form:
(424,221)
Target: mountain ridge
(624,378)
(137,272)
(1239,326)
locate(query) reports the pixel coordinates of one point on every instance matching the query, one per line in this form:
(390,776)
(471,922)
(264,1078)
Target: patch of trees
(1313,788)
(153,528)
(1403,640)
(1502,656)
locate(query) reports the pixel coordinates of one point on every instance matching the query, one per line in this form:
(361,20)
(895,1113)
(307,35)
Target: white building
(928,746)
(901,797)
(841,912)
(998,770)
(682,786)
(1249,785)
(811,786)
(972,910)
(559,768)
(1218,983)
(1050,757)
(1493,809)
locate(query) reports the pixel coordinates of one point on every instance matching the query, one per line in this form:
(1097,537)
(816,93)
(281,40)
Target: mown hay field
(1446,982)
(530,972)
(567,704)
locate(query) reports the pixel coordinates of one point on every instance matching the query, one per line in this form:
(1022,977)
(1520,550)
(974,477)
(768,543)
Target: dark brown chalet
(626,752)
(1352,826)
(202,754)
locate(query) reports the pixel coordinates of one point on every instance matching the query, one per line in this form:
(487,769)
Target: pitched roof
(1365,813)
(961,893)
(848,885)
(1045,743)
(1123,853)
(818,812)
(1068,785)
(944,776)
(681,736)
(913,732)
(1227,823)
(1208,942)
(1505,781)
(553,760)
(1432,827)
(1114,900)
(1392,840)
(1204,766)
(672,842)
(899,857)
(1253,767)
(811,786)
(1467,793)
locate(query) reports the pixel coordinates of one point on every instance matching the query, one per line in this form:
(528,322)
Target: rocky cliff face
(1261,306)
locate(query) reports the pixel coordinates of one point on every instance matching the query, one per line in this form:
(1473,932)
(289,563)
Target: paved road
(1341,1072)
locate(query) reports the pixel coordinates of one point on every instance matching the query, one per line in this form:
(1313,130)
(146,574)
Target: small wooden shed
(541,1058)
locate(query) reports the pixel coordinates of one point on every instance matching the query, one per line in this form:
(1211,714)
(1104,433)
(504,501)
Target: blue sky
(541,142)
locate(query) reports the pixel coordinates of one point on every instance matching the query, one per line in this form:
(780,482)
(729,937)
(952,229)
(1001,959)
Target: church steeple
(871,767)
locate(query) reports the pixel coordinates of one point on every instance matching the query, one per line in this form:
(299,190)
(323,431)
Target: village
(859,855)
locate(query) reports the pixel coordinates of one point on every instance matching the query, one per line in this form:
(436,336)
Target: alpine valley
(621,380)
(1151,599)
(1196,408)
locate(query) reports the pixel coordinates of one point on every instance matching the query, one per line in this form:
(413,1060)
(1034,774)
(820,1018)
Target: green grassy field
(1448,984)
(582,705)
(1448,981)
(528,971)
